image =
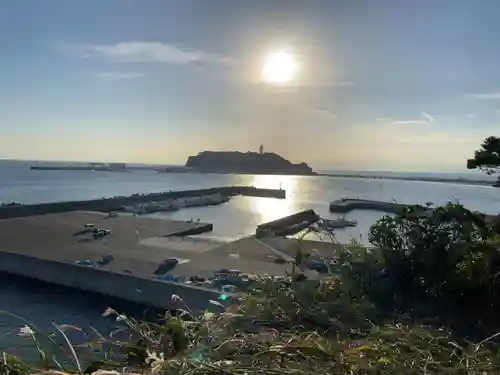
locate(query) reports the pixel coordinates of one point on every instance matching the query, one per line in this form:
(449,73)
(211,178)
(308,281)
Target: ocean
(44,305)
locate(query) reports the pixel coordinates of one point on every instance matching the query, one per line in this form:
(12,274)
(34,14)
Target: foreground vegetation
(426,301)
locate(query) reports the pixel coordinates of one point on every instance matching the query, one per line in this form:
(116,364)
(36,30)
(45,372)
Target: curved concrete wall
(366,205)
(145,291)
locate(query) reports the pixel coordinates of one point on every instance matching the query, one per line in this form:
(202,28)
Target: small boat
(336,223)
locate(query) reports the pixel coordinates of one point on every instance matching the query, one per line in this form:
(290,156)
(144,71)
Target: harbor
(124,260)
(123,254)
(109,249)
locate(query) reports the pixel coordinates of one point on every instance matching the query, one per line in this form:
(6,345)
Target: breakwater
(146,291)
(416,179)
(287,225)
(115,203)
(346,205)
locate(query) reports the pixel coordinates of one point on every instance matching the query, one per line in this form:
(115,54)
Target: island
(228,162)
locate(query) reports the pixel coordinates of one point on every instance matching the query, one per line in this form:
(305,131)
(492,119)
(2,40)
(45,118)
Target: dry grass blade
(70,347)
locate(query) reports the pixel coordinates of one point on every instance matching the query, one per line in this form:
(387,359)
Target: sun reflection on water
(269,209)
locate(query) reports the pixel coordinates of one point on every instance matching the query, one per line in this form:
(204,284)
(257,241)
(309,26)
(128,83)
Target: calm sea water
(44,305)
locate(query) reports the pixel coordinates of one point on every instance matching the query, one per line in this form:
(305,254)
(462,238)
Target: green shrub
(447,254)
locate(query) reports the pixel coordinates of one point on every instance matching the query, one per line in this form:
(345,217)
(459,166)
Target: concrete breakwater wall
(450,180)
(109,204)
(131,288)
(251,191)
(346,205)
(290,224)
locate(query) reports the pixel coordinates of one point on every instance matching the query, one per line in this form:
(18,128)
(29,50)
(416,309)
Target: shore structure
(288,225)
(10,210)
(147,260)
(346,205)
(119,255)
(464,181)
(56,248)
(102,167)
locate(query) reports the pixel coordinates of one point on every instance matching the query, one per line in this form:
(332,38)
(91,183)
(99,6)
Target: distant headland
(241,163)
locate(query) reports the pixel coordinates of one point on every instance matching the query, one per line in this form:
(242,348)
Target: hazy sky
(403,85)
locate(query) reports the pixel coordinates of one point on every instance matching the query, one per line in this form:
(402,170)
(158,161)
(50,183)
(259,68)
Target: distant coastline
(103,167)
(457,180)
(301,169)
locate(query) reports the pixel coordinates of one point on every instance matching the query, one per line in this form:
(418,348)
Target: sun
(279,68)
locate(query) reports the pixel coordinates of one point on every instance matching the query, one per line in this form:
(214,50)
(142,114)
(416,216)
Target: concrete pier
(145,291)
(451,180)
(288,225)
(50,248)
(115,203)
(347,204)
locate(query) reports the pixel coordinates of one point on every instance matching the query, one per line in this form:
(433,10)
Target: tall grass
(284,328)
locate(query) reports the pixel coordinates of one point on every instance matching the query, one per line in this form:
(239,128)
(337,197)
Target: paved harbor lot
(139,244)
(290,246)
(55,237)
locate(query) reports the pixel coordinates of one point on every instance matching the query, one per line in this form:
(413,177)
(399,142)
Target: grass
(283,328)
(350,322)
(278,331)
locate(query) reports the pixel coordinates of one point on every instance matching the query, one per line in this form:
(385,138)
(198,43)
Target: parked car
(166,265)
(99,233)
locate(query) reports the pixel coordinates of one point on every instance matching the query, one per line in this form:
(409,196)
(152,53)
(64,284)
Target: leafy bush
(446,254)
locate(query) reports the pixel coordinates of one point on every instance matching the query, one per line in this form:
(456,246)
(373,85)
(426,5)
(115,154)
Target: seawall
(110,204)
(290,224)
(416,179)
(346,205)
(132,288)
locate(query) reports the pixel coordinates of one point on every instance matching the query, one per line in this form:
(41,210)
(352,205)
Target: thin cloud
(120,75)
(408,122)
(428,117)
(425,120)
(148,52)
(485,96)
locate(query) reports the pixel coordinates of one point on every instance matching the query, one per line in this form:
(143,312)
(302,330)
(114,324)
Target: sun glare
(279,68)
